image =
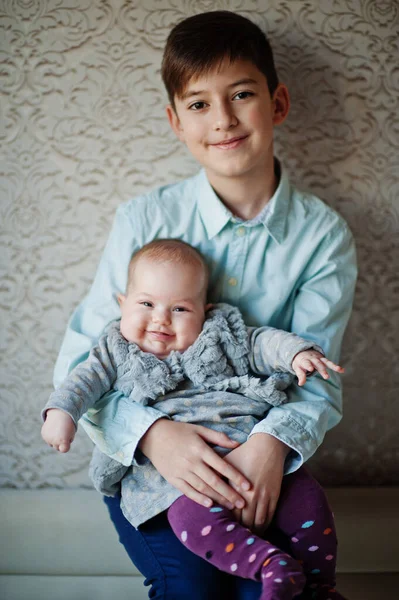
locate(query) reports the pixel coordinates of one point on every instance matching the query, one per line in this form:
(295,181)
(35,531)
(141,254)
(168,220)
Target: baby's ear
(121,298)
(209,307)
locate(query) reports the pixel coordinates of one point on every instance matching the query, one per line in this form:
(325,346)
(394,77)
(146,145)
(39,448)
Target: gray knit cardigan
(218,361)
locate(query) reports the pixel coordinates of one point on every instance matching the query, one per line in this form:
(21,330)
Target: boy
(166,353)
(283,257)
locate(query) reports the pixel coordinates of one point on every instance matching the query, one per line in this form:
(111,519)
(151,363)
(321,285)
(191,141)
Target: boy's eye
(242,95)
(146,303)
(197,106)
(180,309)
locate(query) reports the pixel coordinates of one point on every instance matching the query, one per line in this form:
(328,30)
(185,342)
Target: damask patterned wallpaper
(83,128)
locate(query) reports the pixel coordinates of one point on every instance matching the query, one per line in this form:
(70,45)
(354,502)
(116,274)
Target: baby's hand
(308,361)
(58,430)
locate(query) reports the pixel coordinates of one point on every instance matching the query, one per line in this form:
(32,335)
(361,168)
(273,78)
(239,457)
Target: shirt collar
(215,215)
(213,212)
(276,217)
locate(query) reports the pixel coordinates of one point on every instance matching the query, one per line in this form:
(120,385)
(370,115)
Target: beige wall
(82,128)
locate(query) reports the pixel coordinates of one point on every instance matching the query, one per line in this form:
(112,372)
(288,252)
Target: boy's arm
(100,306)
(295,430)
(322,308)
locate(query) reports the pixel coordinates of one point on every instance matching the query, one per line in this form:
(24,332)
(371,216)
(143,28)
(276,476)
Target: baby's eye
(242,95)
(180,309)
(146,303)
(197,106)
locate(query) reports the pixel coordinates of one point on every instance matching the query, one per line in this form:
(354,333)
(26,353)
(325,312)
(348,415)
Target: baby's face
(164,309)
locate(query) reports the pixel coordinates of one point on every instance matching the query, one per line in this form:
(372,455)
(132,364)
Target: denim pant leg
(172,571)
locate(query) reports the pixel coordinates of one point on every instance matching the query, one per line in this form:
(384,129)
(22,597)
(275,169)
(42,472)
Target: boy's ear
(174,122)
(121,298)
(281,104)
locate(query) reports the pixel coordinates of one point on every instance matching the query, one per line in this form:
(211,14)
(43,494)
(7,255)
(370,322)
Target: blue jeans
(172,571)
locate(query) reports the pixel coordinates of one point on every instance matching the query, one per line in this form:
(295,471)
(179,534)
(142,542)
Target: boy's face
(226,119)
(164,309)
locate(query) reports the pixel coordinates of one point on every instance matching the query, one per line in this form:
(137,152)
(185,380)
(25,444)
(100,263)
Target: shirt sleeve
(321,312)
(84,329)
(274,350)
(86,383)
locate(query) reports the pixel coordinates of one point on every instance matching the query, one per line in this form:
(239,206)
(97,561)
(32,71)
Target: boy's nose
(224,117)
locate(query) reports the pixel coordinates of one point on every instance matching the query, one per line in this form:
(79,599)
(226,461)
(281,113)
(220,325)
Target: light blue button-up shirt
(293,267)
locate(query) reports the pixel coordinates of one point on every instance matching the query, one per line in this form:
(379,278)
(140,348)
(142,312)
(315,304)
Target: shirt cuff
(117,426)
(291,433)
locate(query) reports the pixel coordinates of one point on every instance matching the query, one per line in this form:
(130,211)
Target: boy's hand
(308,361)
(181,453)
(261,459)
(58,430)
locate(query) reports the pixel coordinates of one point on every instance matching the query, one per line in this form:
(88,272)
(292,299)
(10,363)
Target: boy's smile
(226,119)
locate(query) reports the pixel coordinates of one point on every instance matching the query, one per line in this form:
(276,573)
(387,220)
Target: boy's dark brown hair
(199,43)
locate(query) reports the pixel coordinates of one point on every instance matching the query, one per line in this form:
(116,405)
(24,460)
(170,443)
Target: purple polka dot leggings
(299,552)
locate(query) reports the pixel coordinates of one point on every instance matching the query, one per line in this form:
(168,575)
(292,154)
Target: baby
(198,363)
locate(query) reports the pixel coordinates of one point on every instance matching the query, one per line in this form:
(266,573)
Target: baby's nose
(161,316)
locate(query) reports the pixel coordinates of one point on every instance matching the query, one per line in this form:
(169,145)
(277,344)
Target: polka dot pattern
(252,558)
(307,524)
(312,551)
(267,562)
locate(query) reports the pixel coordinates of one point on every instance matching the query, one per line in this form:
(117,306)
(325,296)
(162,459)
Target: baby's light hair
(169,251)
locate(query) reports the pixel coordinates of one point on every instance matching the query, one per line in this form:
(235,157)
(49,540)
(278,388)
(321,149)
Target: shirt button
(233,281)
(240,231)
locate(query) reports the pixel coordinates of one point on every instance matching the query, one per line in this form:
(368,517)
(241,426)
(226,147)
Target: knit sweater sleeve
(86,383)
(274,350)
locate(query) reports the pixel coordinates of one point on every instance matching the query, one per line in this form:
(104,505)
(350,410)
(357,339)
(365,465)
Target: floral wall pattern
(82,128)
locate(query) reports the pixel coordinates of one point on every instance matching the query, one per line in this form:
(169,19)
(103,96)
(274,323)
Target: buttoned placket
(238,249)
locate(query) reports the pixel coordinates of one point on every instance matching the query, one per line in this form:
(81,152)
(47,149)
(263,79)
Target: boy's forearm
(303,421)
(125,423)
